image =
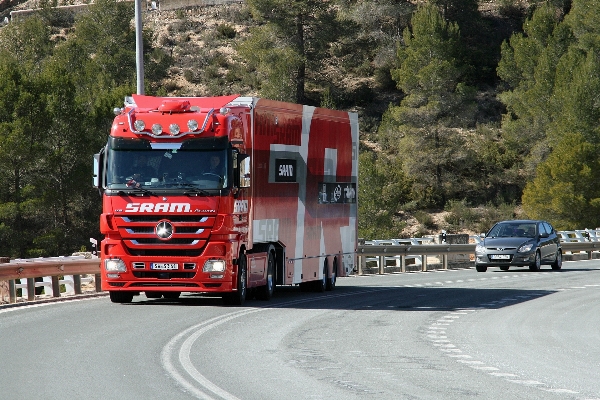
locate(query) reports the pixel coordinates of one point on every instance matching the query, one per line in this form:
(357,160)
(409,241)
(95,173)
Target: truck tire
(332,279)
(321,284)
(238,297)
(121,297)
(266,292)
(171,295)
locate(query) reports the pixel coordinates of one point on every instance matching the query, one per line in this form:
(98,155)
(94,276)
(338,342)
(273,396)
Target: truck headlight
(115,265)
(214,266)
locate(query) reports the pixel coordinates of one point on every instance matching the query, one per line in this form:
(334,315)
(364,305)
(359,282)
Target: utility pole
(139,47)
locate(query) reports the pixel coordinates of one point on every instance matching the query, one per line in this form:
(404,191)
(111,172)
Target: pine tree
(560,97)
(426,125)
(528,66)
(291,45)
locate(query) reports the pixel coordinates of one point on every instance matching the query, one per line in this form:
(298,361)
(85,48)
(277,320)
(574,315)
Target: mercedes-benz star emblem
(164,230)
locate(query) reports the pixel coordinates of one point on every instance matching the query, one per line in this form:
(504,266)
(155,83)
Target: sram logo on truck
(158,207)
(285,170)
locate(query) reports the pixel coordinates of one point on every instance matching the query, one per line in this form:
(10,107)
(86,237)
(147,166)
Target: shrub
(425,219)
(227,31)
(460,216)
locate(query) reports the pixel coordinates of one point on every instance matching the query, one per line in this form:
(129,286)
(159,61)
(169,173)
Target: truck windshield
(166,169)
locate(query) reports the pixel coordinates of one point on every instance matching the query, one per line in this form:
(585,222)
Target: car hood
(505,241)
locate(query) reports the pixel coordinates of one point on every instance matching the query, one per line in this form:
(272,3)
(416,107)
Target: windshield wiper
(190,188)
(138,190)
(194,189)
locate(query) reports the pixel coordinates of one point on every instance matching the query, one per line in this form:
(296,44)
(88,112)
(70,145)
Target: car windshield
(166,169)
(513,229)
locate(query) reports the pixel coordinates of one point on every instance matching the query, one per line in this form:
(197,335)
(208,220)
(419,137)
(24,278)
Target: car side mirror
(544,235)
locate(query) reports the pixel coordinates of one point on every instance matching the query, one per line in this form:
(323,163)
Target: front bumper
(516,259)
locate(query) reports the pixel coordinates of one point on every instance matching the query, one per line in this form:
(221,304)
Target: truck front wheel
(239,297)
(121,297)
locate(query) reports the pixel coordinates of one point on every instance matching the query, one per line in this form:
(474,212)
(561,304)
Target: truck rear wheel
(332,279)
(238,297)
(121,297)
(321,284)
(266,292)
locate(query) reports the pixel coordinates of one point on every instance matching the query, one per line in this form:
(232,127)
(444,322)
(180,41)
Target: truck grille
(190,234)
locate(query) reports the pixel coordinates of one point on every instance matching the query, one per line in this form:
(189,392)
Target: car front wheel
(480,268)
(557,264)
(537,263)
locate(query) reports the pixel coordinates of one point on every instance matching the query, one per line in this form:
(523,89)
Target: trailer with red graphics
(226,195)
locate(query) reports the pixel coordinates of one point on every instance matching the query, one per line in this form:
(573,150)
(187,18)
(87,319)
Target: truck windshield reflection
(148,169)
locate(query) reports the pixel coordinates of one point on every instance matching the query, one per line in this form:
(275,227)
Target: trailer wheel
(266,292)
(321,284)
(237,298)
(121,297)
(332,279)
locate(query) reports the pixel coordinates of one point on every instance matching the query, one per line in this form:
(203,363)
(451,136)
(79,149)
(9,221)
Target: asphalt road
(435,335)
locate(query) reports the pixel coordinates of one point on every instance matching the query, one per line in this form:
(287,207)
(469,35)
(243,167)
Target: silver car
(519,243)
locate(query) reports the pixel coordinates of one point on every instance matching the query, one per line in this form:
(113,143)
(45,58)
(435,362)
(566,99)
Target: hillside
(201,45)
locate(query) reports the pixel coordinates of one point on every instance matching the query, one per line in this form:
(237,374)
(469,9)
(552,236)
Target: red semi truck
(226,195)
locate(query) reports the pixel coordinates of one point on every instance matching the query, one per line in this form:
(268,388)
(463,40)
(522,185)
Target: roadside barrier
(26,270)
(391,255)
(68,281)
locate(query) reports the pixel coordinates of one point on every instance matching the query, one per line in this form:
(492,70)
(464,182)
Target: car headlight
(480,248)
(525,248)
(214,266)
(115,265)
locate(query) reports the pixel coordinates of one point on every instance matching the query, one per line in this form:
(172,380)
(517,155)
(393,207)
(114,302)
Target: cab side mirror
(244,162)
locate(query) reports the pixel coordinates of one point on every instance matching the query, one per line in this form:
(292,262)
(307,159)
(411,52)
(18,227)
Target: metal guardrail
(398,250)
(382,253)
(54,267)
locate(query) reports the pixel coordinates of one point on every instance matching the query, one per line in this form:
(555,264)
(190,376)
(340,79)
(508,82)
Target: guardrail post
(12,292)
(402,263)
(424,262)
(30,289)
(77,284)
(445,261)
(5,285)
(381,264)
(55,287)
(99,283)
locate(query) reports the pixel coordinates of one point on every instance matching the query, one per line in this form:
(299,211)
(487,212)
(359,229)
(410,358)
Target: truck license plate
(500,257)
(164,266)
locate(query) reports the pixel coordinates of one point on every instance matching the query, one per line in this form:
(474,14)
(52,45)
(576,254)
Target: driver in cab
(215,166)
(140,171)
